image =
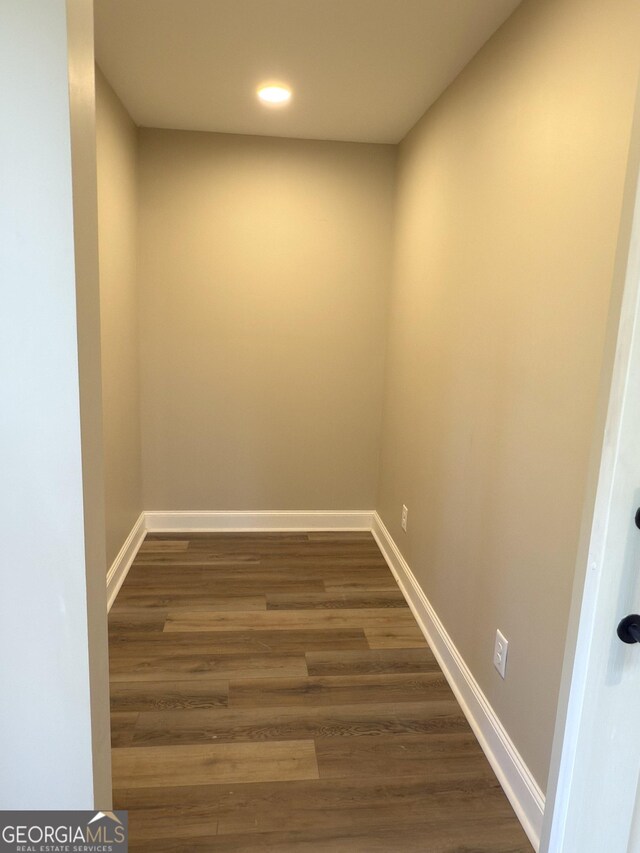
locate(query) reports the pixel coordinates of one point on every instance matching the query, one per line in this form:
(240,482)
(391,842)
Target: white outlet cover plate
(500,653)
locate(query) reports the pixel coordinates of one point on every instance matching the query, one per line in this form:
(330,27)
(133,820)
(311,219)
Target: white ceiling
(360,70)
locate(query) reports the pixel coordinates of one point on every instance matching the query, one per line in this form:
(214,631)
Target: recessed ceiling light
(274,95)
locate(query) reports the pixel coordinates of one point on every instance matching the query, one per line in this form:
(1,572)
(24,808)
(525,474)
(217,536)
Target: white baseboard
(193,522)
(122,563)
(513,774)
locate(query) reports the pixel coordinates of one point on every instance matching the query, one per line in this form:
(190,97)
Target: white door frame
(623,324)
(55,743)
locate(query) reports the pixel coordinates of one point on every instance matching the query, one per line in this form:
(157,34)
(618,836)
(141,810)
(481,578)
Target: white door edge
(622,327)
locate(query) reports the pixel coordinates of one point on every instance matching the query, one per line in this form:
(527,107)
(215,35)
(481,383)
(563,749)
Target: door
(594,798)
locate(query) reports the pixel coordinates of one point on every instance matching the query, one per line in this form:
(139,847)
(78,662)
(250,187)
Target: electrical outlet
(500,653)
(405,513)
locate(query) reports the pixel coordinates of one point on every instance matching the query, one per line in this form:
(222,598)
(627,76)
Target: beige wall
(116,139)
(264,267)
(508,204)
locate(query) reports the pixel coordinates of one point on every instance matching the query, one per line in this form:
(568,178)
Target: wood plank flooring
(272,692)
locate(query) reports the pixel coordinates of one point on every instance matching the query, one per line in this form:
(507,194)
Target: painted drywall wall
(116,144)
(54,713)
(507,212)
(264,268)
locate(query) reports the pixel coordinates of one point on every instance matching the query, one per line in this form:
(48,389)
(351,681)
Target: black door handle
(629,629)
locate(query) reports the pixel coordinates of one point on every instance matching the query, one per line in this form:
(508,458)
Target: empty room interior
(355,273)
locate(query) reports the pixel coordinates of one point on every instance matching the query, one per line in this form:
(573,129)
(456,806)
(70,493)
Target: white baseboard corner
(211,522)
(122,563)
(516,779)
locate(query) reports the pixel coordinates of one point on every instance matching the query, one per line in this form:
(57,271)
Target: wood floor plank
(397,636)
(186,562)
(139,622)
(491,834)
(334,556)
(348,599)
(223,536)
(124,644)
(168,695)
(158,599)
(290,723)
(122,727)
(239,585)
(471,790)
(150,546)
(338,690)
(371,661)
(300,556)
(175,821)
(354,582)
(286,620)
(399,755)
(303,546)
(226,762)
(169,668)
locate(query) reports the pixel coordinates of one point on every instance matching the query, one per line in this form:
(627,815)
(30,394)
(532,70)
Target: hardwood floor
(274,693)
